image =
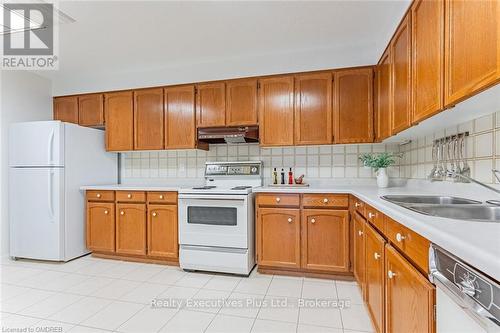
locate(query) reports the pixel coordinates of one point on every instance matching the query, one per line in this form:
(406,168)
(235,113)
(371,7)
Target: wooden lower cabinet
(278,237)
(375,276)
(325,240)
(359,251)
(131,228)
(101,226)
(410,297)
(162,231)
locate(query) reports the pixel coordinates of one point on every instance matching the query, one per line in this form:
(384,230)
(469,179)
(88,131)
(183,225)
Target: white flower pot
(382,178)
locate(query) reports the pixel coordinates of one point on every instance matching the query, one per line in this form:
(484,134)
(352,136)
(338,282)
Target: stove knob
(253,170)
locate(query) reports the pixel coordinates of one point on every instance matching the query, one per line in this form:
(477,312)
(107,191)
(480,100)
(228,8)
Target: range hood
(229,134)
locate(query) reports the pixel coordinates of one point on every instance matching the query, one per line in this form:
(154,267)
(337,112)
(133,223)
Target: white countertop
(477,243)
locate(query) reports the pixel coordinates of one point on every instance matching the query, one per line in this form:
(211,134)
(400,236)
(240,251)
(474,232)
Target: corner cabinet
(91,110)
(276,111)
(353,105)
(313,109)
(119,113)
(66,109)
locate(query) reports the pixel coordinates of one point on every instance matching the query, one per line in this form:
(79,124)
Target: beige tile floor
(98,295)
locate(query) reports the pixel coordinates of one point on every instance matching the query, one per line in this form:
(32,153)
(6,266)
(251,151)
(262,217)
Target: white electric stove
(216,220)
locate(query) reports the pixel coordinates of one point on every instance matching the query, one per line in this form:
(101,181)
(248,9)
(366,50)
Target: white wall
(24,97)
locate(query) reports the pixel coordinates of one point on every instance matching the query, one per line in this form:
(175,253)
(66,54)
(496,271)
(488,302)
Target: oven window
(212,215)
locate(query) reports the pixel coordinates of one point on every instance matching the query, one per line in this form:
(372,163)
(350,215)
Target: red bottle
(290,177)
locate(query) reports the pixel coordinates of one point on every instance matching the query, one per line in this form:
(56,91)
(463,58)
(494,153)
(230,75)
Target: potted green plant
(380,163)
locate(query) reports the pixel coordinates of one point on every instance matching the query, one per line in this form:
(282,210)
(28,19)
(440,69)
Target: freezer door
(36,208)
(38,143)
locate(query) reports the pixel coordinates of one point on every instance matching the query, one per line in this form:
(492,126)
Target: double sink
(447,207)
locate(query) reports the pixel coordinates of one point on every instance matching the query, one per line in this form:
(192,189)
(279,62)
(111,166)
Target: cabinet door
(91,110)
(131,228)
(211,104)
(472,47)
(119,113)
(66,109)
(278,237)
(384,105)
(325,240)
(375,277)
(101,226)
(162,231)
(427,21)
(353,105)
(276,122)
(180,123)
(313,109)
(410,297)
(241,102)
(148,119)
(401,79)
(359,251)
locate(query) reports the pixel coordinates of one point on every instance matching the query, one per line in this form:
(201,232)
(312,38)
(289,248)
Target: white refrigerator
(48,162)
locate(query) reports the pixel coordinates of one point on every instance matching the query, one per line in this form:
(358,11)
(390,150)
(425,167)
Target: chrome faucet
(468,179)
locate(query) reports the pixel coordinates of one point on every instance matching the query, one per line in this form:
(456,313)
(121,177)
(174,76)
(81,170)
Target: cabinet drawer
(94,195)
(162,197)
(359,206)
(414,246)
(278,199)
(375,217)
(325,200)
(130,196)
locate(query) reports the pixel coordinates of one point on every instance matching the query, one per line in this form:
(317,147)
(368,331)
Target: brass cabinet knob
(278,199)
(391,274)
(129,195)
(122,213)
(154,214)
(106,212)
(98,195)
(357,204)
(400,237)
(376,256)
(325,200)
(161,196)
(313,220)
(360,233)
(290,220)
(371,215)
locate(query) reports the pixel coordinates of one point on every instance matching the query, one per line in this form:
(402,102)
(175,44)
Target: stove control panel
(233,169)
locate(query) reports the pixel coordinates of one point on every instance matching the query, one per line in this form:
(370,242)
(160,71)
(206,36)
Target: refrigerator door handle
(51,148)
(50,195)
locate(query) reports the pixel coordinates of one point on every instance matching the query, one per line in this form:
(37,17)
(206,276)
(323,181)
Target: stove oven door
(214,220)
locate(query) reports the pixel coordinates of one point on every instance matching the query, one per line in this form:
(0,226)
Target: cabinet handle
(360,233)
(313,220)
(376,256)
(129,195)
(371,215)
(278,199)
(290,220)
(325,200)
(122,213)
(391,274)
(161,196)
(98,195)
(357,204)
(400,237)
(154,214)
(106,212)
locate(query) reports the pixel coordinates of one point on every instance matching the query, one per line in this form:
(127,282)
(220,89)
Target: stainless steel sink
(482,213)
(428,200)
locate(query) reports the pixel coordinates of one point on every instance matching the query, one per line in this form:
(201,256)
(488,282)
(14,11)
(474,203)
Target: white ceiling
(120,44)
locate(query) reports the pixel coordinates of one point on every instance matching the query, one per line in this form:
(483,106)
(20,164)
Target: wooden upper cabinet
(148,119)
(375,277)
(353,106)
(325,240)
(91,110)
(384,105)
(410,297)
(401,77)
(276,118)
(359,251)
(472,47)
(278,235)
(313,109)
(180,123)
(427,36)
(66,109)
(162,231)
(211,104)
(131,228)
(101,226)
(241,102)
(119,113)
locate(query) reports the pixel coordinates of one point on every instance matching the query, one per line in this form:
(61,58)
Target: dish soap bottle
(290,177)
(275,176)
(282,176)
